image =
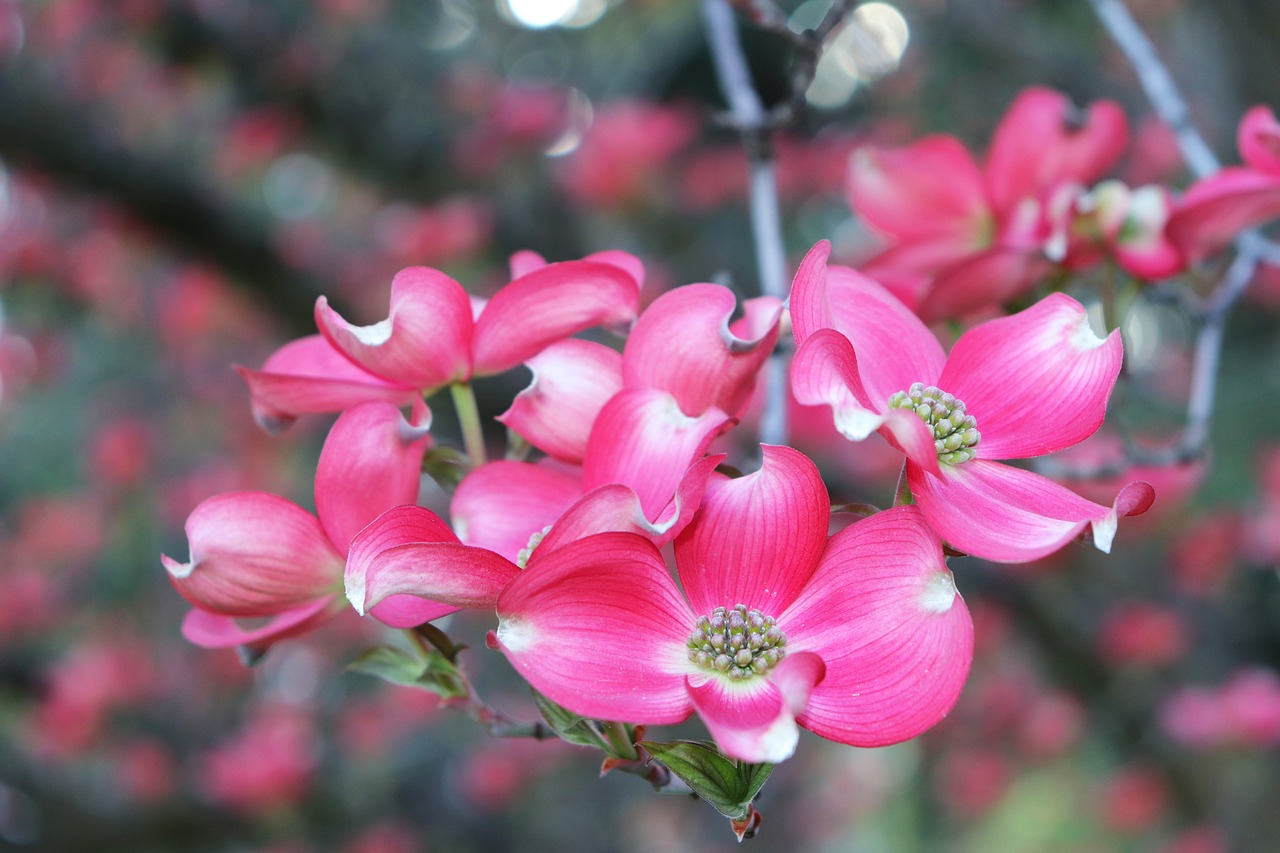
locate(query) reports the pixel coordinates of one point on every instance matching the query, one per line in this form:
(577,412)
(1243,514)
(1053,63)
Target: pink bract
(253,554)
(432,336)
(1035,382)
(877,642)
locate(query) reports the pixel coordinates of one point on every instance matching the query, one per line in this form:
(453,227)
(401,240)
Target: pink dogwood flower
(1217,208)
(254,554)
(637,424)
(1012,388)
(965,236)
(861,639)
(434,335)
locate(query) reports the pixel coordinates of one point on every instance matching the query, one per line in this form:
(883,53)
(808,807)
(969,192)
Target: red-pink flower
(254,554)
(965,237)
(434,336)
(861,639)
(637,425)
(1217,208)
(1012,388)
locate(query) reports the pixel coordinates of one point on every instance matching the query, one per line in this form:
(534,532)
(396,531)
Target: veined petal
(426,339)
(757,538)
(371,461)
(1217,208)
(641,439)
(215,631)
(1036,381)
(615,508)
(548,304)
(500,505)
(905,430)
(883,614)
(254,554)
(929,188)
(1008,515)
(755,720)
(599,627)
(824,372)
(308,376)
(807,303)
(683,345)
(988,278)
(572,380)
(897,349)
(447,573)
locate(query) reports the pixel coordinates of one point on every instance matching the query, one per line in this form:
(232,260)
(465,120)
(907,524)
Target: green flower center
(526,553)
(737,642)
(955,433)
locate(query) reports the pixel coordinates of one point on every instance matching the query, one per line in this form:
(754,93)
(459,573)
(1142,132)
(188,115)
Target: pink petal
(409,550)
(989,278)
(824,372)
(401,525)
(905,430)
(500,505)
(550,303)
(572,380)
(524,262)
(1259,139)
(371,461)
(755,720)
(929,188)
(883,614)
(896,348)
(214,631)
(624,261)
(808,304)
(308,376)
(616,509)
(425,341)
(1036,381)
(254,554)
(1044,140)
(1008,515)
(641,439)
(683,345)
(1217,208)
(599,627)
(757,538)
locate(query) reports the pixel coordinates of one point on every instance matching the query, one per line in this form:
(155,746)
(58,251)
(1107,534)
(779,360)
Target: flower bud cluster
(738,642)
(955,433)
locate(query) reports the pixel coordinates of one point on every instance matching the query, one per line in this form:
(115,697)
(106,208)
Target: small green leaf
(728,785)
(568,725)
(432,672)
(446,465)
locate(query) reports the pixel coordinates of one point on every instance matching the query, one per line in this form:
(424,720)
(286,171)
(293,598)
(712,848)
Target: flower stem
(464,401)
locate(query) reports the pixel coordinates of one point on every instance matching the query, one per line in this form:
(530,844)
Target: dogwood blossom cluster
(634,574)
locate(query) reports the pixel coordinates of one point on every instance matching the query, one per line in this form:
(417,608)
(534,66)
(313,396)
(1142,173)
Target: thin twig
(1250,247)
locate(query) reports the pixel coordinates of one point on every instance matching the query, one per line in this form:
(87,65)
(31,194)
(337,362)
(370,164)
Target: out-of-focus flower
(966,237)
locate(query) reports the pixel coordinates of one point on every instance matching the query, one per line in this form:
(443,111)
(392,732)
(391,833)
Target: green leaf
(433,672)
(727,785)
(446,465)
(568,725)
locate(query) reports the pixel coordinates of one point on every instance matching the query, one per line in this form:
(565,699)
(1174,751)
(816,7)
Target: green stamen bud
(737,642)
(955,433)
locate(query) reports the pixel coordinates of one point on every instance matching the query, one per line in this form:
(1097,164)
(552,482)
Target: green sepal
(728,785)
(446,465)
(429,672)
(570,726)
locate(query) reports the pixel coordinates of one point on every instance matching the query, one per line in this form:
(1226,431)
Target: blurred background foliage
(179,179)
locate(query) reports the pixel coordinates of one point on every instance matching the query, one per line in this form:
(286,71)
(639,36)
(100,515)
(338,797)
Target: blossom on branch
(1012,388)
(861,638)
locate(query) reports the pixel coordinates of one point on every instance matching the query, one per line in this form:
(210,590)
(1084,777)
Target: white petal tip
(939,592)
(176,569)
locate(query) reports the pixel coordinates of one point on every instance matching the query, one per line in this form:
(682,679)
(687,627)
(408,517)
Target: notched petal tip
(1134,499)
(175,569)
(939,592)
